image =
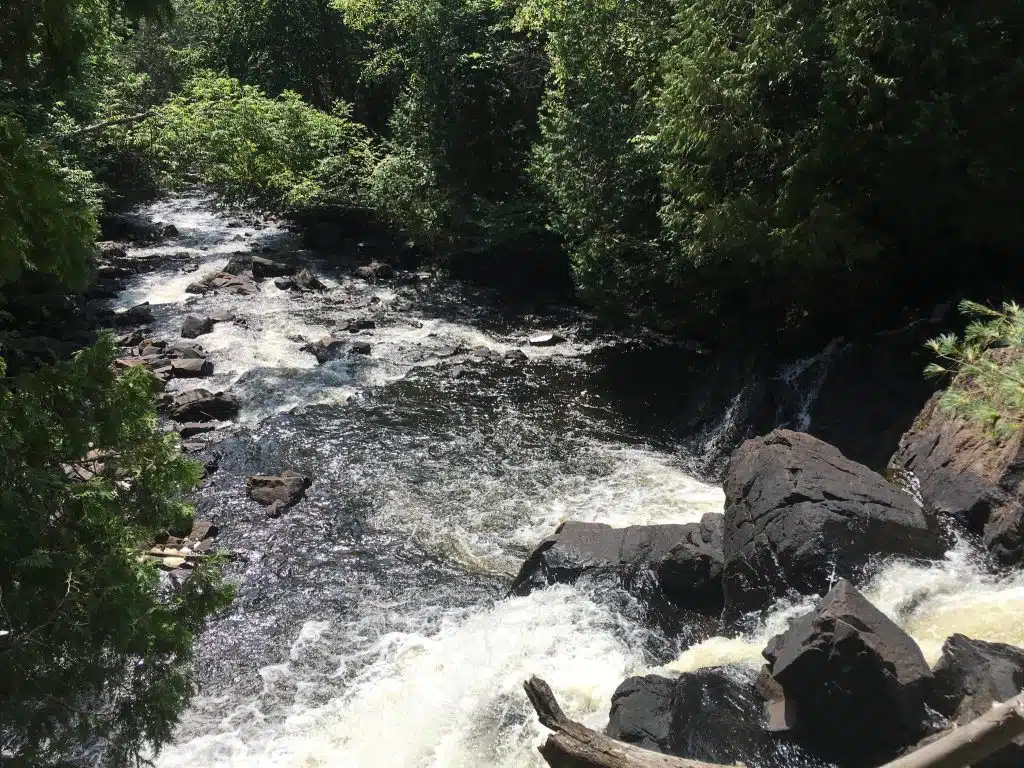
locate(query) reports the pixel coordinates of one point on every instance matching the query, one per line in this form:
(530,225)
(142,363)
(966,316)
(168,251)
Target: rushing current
(371,627)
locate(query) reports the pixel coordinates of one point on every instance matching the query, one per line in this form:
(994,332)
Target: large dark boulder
(140,314)
(686,559)
(971,676)
(855,682)
(964,472)
(200,405)
(798,514)
(711,714)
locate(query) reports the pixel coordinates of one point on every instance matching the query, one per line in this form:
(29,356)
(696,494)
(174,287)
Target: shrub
(279,153)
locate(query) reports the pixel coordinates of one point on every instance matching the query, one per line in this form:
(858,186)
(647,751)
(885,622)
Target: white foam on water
(452,699)
(930,601)
(484,527)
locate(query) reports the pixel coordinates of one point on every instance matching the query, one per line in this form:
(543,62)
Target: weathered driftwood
(969,743)
(573,745)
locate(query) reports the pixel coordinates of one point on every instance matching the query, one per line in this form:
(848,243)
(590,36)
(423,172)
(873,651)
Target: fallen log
(967,744)
(573,745)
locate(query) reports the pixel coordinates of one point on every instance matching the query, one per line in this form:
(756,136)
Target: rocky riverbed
(385,451)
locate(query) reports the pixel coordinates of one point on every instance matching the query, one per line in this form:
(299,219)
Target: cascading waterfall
(371,626)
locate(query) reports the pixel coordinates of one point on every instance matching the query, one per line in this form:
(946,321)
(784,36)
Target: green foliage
(46,221)
(817,137)
(465,85)
(987,367)
(279,153)
(594,161)
(89,647)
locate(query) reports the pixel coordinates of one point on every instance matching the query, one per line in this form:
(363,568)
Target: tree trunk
(969,743)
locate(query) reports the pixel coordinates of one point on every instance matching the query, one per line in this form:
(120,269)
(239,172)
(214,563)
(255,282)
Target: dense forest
(708,167)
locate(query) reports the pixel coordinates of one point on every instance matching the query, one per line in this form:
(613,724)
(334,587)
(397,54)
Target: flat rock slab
(686,559)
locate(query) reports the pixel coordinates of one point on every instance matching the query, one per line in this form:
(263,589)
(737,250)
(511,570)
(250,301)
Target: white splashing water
(452,699)
(931,602)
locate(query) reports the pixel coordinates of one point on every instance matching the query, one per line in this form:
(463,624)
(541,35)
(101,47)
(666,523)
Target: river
(371,627)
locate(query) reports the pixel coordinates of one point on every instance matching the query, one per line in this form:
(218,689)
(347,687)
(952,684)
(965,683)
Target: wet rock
(189,268)
(191,368)
(712,715)
(191,430)
(857,683)
(185,350)
(515,355)
(971,676)
(798,514)
(239,263)
(304,280)
(691,572)
(110,251)
(282,490)
(140,314)
(222,282)
(326,349)
(284,283)
(546,339)
(132,338)
(168,230)
(375,271)
(484,353)
(222,316)
(194,326)
(354,326)
(963,472)
(203,529)
(686,559)
(202,405)
(126,226)
(263,268)
(360,348)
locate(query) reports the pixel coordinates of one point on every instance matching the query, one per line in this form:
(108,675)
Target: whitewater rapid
(372,627)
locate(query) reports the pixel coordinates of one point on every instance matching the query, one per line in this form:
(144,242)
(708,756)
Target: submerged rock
(857,683)
(375,271)
(546,339)
(798,514)
(686,559)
